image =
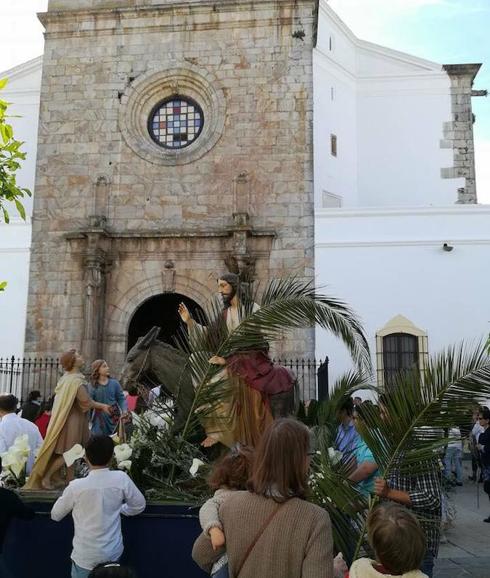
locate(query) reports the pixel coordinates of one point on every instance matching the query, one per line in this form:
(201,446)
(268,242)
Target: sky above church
(445,31)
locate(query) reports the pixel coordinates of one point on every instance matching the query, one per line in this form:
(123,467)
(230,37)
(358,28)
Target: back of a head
(34,395)
(280,467)
(397,538)
(111,570)
(99,450)
(8,402)
(68,359)
(347,405)
(233,469)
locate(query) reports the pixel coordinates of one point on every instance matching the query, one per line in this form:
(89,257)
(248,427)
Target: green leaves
(3,285)
(10,157)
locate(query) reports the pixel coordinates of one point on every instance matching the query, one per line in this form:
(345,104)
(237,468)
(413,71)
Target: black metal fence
(312,375)
(20,376)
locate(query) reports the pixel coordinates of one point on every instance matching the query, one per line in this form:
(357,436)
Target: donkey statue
(153,362)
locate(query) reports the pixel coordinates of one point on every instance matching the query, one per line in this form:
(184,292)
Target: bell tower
(174,136)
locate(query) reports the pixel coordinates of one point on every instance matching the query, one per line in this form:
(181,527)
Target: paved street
(467,551)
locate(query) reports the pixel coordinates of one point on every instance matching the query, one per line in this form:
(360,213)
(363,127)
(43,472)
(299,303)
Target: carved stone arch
(121,310)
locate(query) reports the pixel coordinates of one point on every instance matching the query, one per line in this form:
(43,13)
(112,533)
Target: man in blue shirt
(366,467)
(347,438)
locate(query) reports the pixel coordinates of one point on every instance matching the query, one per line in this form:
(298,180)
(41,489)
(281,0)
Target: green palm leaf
(287,304)
(419,408)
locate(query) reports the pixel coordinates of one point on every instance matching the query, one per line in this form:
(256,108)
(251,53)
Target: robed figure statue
(253,378)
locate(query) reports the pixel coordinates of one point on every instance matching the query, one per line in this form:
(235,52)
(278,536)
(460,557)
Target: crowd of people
(259,521)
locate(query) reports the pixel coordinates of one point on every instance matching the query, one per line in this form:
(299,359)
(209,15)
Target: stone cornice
(169,233)
(175,8)
(470,70)
(56,6)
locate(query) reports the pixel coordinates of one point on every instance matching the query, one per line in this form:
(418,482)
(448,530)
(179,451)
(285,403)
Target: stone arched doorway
(161,310)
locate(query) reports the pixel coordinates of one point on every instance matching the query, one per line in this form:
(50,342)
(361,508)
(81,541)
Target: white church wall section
(400,128)
(23,91)
(388,111)
(335,111)
(392,262)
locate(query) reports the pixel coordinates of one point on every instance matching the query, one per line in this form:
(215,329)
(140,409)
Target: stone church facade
(172,136)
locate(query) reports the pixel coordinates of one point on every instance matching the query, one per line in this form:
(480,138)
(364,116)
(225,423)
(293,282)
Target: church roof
(23,69)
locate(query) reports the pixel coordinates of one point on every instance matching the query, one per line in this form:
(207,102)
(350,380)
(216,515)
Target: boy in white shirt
(96,503)
(12,426)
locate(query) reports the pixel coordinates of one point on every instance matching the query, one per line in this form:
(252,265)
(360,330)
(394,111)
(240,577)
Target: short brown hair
(68,359)
(232,470)
(8,402)
(397,538)
(280,468)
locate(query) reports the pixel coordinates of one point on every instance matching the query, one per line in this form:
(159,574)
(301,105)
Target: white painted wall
(399,131)
(388,113)
(389,262)
(23,91)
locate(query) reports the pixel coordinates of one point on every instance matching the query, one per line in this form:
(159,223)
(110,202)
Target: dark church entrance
(161,310)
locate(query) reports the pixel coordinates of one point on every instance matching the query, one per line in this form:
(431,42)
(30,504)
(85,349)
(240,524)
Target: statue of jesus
(253,377)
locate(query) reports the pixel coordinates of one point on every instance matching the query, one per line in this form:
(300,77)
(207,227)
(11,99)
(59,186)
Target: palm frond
(291,304)
(421,407)
(409,431)
(286,304)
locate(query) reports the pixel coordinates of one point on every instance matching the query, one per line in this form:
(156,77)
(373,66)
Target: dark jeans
(4,571)
(427,566)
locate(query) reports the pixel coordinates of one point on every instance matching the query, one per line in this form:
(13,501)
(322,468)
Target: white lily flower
(21,445)
(334,455)
(124,465)
(161,421)
(123,452)
(196,464)
(14,461)
(72,455)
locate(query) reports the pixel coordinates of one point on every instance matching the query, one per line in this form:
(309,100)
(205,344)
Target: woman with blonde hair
(68,425)
(272,530)
(106,390)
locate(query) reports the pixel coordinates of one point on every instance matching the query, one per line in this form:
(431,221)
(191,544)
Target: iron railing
(20,376)
(312,375)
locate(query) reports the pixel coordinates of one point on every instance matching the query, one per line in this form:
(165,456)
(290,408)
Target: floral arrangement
(14,462)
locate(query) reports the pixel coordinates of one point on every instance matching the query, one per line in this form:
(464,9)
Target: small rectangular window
(332,93)
(333,145)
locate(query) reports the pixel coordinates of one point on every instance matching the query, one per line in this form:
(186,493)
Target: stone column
(458,133)
(94,301)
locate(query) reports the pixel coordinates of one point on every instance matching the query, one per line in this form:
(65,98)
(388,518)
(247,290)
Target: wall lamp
(447,247)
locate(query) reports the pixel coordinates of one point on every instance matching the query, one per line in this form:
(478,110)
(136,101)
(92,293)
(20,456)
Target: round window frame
(148,90)
(163,102)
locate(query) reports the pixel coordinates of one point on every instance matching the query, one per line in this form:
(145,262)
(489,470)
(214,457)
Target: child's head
(99,451)
(111,570)
(233,469)
(397,538)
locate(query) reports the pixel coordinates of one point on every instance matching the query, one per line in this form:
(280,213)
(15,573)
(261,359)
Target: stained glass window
(176,122)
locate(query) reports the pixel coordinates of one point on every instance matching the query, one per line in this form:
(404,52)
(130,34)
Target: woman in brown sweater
(271,531)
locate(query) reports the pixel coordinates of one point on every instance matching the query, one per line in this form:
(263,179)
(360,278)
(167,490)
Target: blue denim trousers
(4,571)
(453,460)
(77,572)
(427,566)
